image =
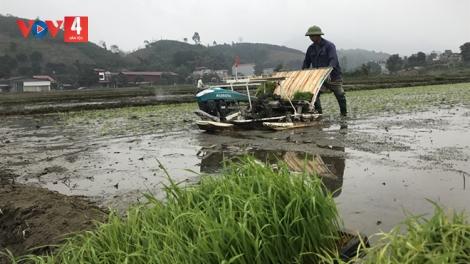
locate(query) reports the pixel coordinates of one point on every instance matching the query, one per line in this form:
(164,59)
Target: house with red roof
(45,77)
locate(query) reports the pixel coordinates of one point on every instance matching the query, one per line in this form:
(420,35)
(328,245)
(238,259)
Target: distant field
(110,98)
(387,81)
(72,95)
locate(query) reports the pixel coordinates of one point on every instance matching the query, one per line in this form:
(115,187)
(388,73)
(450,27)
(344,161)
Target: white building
(383,65)
(221,73)
(268,71)
(246,69)
(202,71)
(36,86)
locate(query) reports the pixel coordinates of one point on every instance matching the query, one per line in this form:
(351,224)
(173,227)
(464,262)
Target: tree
(36,56)
(183,57)
(8,62)
(24,70)
(374,67)
(122,79)
(114,80)
(365,69)
(394,63)
(465,52)
(259,68)
(138,79)
(35,67)
(55,68)
(88,77)
(343,62)
(421,58)
(278,68)
(114,48)
(13,46)
(147,44)
(185,40)
(182,72)
(418,59)
(432,56)
(21,57)
(196,38)
(214,43)
(102,44)
(168,78)
(5,72)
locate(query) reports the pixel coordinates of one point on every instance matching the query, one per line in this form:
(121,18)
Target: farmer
(322,53)
(200,85)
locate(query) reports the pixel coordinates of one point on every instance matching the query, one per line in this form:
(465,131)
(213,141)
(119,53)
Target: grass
(443,238)
(253,213)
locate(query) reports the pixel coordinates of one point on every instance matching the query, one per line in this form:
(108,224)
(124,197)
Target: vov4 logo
(75,28)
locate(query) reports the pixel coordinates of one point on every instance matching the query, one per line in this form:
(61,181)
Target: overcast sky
(393,26)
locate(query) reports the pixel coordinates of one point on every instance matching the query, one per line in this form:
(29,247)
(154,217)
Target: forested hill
(183,58)
(356,57)
(53,50)
(31,56)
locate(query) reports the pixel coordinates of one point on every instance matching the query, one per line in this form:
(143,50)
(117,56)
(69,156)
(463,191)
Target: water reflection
(329,168)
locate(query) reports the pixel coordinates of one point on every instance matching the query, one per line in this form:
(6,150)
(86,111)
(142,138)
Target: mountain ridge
(162,55)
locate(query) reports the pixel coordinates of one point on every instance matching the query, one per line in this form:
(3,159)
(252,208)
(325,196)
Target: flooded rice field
(382,164)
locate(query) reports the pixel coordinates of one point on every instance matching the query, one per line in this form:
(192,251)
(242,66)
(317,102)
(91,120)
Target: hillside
(183,58)
(356,57)
(20,55)
(53,50)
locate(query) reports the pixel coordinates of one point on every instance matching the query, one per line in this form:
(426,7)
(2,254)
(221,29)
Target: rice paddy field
(400,156)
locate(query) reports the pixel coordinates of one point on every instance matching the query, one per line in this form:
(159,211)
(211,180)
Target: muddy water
(382,164)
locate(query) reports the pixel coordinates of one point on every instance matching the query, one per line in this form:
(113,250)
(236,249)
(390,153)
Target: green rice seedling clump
(267,87)
(443,238)
(252,213)
(303,96)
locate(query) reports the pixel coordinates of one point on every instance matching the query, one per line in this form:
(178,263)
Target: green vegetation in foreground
(253,213)
(443,238)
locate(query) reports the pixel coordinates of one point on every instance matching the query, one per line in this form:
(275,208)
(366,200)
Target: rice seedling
(136,120)
(400,100)
(142,120)
(443,238)
(250,214)
(302,96)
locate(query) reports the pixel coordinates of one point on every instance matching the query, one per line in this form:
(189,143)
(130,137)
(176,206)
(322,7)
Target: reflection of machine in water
(330,169)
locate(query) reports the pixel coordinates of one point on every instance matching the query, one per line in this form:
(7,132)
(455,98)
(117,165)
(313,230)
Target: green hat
(315,30)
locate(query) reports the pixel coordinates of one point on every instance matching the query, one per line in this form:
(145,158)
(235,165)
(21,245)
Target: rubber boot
(342,104)
(317,104)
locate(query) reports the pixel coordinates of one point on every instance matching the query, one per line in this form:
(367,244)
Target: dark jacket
(325,57)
